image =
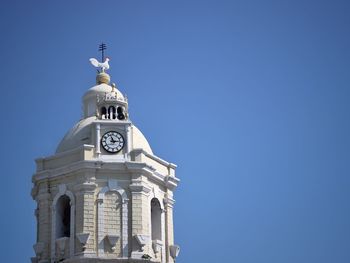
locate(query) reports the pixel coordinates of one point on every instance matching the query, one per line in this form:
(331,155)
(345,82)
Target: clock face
(112,141)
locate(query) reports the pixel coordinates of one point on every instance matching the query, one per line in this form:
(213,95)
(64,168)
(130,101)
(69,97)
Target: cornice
(171,182)
(94,165)
(155,158)
(65,153)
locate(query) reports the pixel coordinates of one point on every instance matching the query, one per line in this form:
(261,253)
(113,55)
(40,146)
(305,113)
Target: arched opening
(63,208)
(120,112)
(111,112)
(103,112)
(156,214)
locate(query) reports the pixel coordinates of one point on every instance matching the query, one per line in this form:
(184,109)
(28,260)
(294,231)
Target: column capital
(85,188)
(169,202)
(139,188)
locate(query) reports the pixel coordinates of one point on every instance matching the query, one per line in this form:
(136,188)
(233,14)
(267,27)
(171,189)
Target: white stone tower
(104,196)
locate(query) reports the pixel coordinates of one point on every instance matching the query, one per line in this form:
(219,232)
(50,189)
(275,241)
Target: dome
(100,90)
(81,134)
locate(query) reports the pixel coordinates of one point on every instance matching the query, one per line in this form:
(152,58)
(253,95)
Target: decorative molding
(157,245)
(171,182)
(142,240)
(108,165)
(155,158)
(60,154)
(174,251)
(139,188)
(83,239)
(112,240)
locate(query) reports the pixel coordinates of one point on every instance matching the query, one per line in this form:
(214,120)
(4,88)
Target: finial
(103,77)
(113,88)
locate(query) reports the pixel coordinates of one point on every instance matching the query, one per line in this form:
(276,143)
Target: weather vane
(104,64)
(102,47)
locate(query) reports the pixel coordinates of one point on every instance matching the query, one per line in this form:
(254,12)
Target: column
(98,137)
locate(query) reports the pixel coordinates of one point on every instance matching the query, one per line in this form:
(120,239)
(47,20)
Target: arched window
(63,217)
(103,112)
(120,112)
(156,214)
(111,112)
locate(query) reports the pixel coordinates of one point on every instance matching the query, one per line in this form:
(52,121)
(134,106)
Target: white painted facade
(98,206)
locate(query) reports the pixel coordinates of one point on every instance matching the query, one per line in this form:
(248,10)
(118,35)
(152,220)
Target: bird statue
(104,66)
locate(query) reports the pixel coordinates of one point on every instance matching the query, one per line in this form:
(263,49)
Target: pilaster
(43,199)
(140,217)
(169,230)
(98,137)
(85,218)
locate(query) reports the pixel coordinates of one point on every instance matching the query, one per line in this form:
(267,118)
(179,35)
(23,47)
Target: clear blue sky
(249,98)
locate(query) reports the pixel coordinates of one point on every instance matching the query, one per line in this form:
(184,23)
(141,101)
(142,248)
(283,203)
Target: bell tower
(104,196)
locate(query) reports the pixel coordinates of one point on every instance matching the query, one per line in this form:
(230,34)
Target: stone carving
(112,240)
(142,240)
(157,247)
(83,239)
(174,251)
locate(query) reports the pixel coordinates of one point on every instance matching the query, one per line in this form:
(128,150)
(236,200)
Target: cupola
(105,101)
